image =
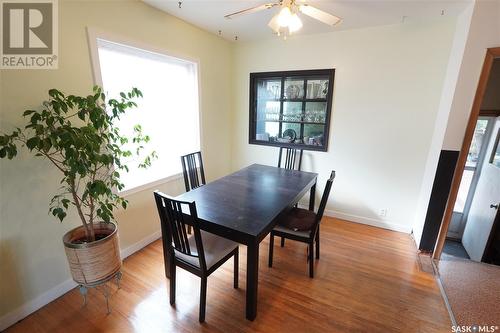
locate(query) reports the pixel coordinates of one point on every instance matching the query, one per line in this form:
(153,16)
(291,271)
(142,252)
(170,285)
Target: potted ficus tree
(80,138)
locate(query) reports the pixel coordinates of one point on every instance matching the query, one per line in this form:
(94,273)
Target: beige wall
(32,259)
(388,83)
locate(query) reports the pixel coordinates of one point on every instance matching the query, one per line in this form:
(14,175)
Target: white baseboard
(384,224)
(369,221)
(131,249)
(31,306)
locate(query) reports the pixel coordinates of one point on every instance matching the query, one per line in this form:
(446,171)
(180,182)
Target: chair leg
(317,244)
(203,298)
(172,283)
(282,241)
(236,266)
(271,246)
(311,259)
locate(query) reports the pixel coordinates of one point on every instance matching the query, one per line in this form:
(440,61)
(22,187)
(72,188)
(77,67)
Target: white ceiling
(209,15)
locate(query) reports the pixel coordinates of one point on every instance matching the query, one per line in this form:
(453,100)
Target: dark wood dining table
(244,207)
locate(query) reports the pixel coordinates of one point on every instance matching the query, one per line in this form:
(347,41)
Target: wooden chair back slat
(193,171)
(173,225)
(292,159)
(324,198)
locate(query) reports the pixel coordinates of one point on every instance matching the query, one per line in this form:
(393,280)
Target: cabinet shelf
(292,122)
(293,100)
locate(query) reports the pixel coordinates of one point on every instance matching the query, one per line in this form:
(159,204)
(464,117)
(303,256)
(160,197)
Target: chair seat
(215,248)
(298,219)
(303,234)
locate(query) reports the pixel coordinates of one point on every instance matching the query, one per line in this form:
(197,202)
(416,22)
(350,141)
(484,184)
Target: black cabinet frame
(305,75)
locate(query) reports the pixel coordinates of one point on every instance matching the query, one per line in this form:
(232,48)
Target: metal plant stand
(104,283)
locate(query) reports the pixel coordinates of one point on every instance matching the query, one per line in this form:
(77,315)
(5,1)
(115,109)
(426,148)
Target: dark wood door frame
(491,55)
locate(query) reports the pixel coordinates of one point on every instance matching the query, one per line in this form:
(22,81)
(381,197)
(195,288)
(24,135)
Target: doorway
(471,219)
(468,187)
(475,191)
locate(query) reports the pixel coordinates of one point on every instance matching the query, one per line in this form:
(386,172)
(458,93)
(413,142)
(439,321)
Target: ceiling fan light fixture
(287,20)
(284,17)
(274,25)
(295,24)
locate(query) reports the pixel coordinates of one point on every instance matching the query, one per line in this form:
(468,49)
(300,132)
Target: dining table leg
(312,196)
(252,280)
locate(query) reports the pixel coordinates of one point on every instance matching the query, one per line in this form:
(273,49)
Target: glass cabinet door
(268,108)
(291,108)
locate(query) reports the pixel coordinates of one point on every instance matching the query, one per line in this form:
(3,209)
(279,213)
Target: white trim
(384,224)
(31,306)
(150,185)
(94,33)
(390,225)
(131,249)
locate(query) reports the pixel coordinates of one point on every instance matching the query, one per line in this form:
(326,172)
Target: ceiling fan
(286,21)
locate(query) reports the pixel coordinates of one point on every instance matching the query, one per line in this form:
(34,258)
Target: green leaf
(33,142)
(28,112)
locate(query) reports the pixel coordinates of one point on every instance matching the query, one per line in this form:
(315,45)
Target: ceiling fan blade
(320,15)
(251,10)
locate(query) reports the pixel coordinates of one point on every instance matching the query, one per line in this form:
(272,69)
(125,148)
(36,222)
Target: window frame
(283,75)
(93,34)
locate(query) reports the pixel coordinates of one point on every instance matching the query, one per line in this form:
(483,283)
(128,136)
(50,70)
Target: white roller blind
(168,113)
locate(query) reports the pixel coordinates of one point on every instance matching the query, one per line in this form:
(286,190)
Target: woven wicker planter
(96,262)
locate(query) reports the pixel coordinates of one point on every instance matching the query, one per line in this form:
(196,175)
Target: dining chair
(292,161)
(194,174)
(201,253)
(192,169)
(292,158)
(302,225)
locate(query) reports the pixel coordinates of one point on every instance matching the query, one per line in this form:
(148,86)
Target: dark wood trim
(489,113)
(491,54)
(281,75)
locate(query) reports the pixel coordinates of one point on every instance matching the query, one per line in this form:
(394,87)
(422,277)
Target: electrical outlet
(383,212)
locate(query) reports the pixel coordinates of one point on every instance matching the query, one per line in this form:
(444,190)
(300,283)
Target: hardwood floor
(367,280)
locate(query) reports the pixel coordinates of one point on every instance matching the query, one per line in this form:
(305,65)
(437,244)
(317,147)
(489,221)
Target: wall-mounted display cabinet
(291,108)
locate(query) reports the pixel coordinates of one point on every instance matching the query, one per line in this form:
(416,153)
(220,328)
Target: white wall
(478,28)
(32,260)
(388,85)
(450,84)
(484,33)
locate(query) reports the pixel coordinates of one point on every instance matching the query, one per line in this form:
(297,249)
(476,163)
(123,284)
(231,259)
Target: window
(291,109)
(168,112)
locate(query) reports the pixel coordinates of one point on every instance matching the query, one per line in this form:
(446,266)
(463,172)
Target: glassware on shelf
(317,89)
(294,88)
